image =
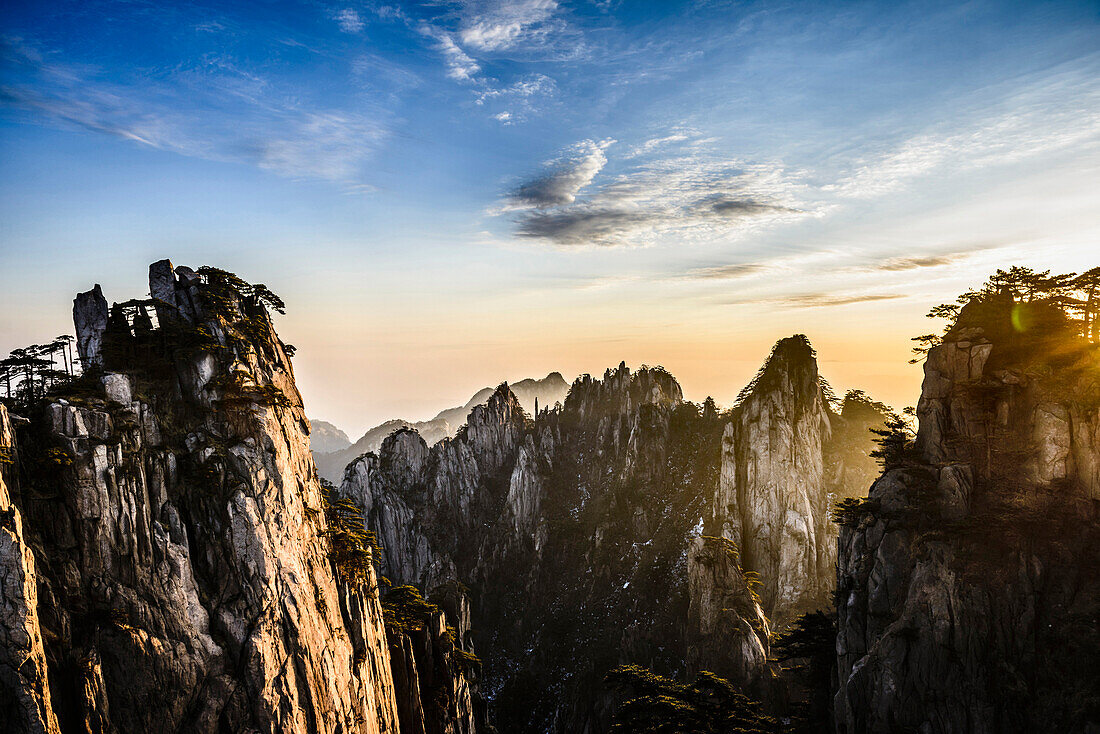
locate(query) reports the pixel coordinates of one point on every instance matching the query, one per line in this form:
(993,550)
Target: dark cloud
(581,225)
(736,207)
(690,195)
(564,179)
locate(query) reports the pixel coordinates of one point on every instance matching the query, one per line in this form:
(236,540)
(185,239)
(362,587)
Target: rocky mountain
(625,525)
(168,560)
(331,462)
(324,438)
(968,581)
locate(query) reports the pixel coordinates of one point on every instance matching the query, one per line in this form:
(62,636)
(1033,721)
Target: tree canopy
(1033,294)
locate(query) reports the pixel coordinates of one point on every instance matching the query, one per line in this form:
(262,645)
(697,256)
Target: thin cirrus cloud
(468,34)
(654,143)
(1051,111)
(816,300)
(899,264)
(460,65)
(215,111)
(730,271)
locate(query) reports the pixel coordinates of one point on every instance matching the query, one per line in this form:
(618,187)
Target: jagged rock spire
(90,314)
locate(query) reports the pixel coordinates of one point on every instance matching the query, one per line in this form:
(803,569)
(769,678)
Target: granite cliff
(169,561)
(968,590)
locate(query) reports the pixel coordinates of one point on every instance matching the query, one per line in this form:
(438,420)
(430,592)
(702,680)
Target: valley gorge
(171,560)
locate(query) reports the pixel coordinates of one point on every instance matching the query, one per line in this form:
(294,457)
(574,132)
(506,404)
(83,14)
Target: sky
(450,194)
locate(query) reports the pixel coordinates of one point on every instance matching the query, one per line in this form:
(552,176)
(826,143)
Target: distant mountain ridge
(331,462)
(324,438)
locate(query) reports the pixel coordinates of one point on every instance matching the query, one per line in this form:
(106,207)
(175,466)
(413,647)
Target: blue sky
(448,194)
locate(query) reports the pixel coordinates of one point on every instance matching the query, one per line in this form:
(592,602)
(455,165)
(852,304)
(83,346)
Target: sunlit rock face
(772,500)
(25,702)
(182,574)
(786,459)
(969,582)
(577,534)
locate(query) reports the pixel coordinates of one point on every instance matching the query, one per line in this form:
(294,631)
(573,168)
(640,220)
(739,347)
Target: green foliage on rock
(1023,302)
(351,545)
(808,649)
(655,704)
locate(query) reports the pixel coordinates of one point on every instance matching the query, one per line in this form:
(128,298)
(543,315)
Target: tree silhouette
(1069,295)
(28,373)
(894,439)
(659,705)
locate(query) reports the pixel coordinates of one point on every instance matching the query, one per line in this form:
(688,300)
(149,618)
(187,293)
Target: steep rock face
(774,494)
(968,590)
(434,692)
(728,631)
(772,481)
(171,501)
(24,692)
(573,532)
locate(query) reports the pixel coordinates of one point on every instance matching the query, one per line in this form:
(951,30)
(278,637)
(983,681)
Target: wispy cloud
(350,21)
(897,264)
(654,143)
(816,300)
(496,25)
(320,145)
(460,65)
(530,86)
(722,272)
(1057,111)
(469,34)
(214,111)
(820,300)
(518,100)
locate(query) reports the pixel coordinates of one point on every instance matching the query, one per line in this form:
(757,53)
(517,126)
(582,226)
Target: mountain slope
(324,438)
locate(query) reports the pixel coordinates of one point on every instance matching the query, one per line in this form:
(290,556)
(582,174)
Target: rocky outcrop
(728,632)
(772,498)
(179,535)
(968,588)
(90,319)
(432,674)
